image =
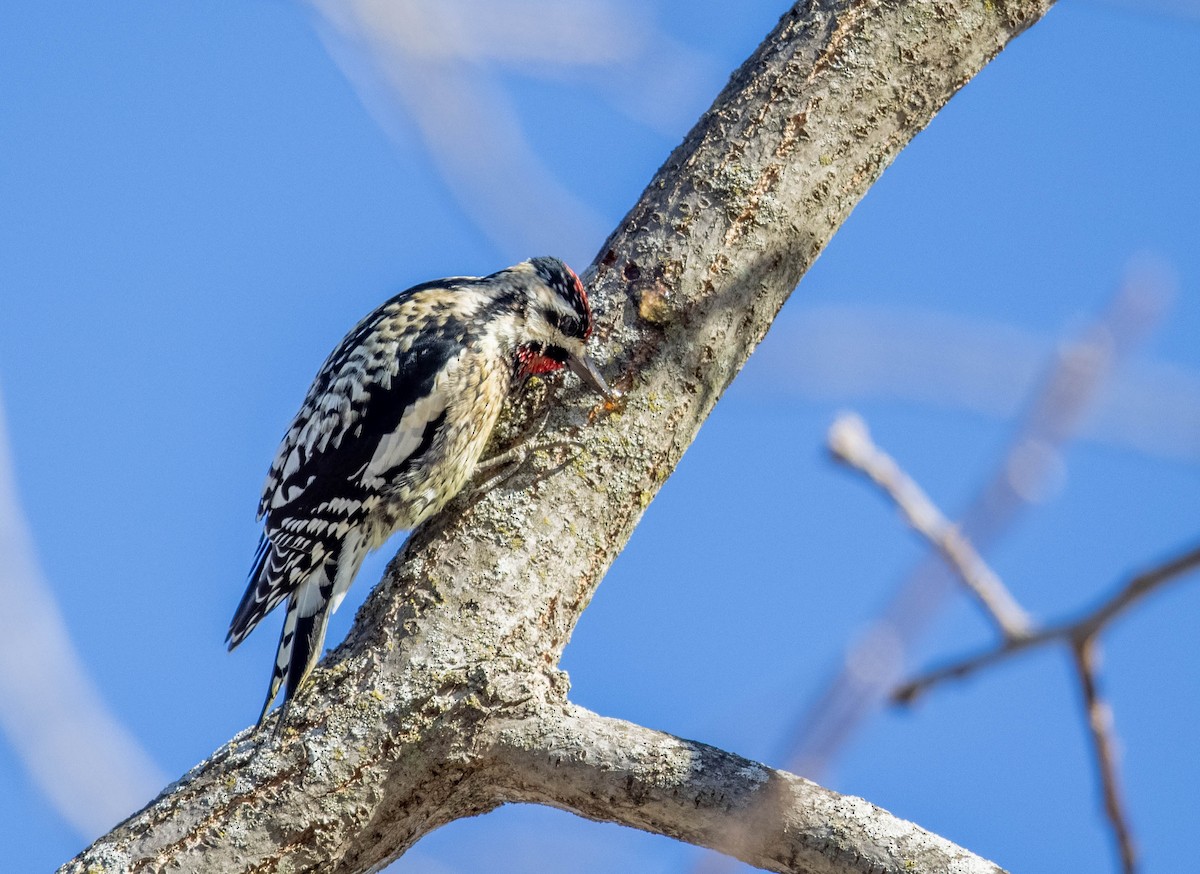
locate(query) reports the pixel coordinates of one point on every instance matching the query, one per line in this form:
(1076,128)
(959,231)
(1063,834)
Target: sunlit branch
(850,443)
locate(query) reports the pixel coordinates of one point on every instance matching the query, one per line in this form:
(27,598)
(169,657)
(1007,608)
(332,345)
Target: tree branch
(874,665)
(1104,745)
(612,771)
(850,444)
(391,737)
(1081,637)
(1074,633)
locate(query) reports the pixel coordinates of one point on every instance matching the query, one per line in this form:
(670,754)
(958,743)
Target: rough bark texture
(614,771)
(445,700)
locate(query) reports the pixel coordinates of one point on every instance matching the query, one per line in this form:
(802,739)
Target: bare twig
(873,665)
(1080,636)
(1137,588)
(850,443)
(1104,745)
(1074,633)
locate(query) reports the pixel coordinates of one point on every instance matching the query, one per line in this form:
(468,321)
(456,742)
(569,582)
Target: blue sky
(198,203)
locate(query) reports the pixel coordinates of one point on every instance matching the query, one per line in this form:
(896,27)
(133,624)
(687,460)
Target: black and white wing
(373,410)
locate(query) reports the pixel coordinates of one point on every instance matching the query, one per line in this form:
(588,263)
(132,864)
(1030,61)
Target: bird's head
(557,323)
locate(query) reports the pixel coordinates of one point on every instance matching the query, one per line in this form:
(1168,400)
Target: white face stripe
(544,298)
(560,306)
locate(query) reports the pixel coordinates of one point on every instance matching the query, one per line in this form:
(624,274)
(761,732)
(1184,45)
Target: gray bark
(445,700)
(614,771)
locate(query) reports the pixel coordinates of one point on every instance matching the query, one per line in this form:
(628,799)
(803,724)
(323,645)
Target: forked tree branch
(1077,634)
(452,661)
(1081,636)
(850,443)
(873,666)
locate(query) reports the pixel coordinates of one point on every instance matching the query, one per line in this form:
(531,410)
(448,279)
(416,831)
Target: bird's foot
(500,468)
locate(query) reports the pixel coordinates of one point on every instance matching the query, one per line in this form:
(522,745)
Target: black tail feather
(300,646)
(249,610)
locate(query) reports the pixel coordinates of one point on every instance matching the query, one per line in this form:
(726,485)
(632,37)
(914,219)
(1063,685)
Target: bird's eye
(568,325)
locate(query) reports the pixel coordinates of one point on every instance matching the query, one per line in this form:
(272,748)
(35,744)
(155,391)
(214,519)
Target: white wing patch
(324,421)
(354,549)
(284,654)
(280,497)
(292,464)
(397,446)
(309,600)
(334,408)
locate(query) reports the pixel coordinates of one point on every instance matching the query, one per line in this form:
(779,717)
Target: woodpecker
(391,430)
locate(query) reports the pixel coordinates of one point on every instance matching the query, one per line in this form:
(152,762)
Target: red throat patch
(533,363)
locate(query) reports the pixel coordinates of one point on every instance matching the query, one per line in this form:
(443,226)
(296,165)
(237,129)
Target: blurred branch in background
(1074,633)
(83,760)
(433,65)
(1028,469)
(1081,636)
(974,373)
(852,354)
(850,442)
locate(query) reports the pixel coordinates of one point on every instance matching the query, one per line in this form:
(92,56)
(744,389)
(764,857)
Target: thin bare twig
(1080,636)
(850,443)
(1074,633)
(873,665)
(1104,745)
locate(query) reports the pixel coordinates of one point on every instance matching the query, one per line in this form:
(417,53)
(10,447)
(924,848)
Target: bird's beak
(586,370)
